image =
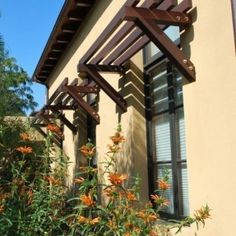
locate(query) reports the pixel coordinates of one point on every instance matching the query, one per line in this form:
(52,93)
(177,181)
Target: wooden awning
(41,121)
(67,97)
(133,27)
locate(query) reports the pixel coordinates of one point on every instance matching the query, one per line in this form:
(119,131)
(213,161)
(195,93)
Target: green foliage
(15,91)
(32,192)
(34,199)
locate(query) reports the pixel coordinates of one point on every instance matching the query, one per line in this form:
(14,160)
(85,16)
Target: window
(166,131)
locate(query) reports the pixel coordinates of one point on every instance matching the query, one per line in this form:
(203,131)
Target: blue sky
(25,26)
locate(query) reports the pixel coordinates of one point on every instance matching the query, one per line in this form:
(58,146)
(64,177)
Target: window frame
(156,61)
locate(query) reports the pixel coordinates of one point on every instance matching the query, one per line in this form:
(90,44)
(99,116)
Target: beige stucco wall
(210,114)
(210,110)
(133,159)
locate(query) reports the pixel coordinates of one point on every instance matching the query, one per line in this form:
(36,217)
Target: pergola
(131,29)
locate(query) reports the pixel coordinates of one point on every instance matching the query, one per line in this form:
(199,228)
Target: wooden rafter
(145,23)
(183,6)
(40,121)
(65,97)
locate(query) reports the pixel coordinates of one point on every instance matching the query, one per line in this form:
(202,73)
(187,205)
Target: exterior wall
(210,115)
(133,159)
(210,110)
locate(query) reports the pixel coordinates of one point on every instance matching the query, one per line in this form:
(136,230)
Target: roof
(67,25)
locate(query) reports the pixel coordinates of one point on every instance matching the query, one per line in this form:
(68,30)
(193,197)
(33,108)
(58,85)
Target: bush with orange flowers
(34,199)
(110,208)
(32,194)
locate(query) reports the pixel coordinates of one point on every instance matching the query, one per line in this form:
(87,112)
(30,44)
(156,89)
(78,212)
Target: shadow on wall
(133,157)
(131,87)
(188,36)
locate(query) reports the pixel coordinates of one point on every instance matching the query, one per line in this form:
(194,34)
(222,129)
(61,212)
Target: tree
(15,86)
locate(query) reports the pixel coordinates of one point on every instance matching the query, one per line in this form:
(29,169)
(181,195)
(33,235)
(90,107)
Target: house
(165,71)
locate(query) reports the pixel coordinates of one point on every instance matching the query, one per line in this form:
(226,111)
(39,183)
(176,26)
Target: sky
(25,26)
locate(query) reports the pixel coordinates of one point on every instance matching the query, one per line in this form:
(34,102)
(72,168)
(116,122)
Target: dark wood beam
(64,38)
(133,37)
(84,105)
(106,68)
(83,4)
(85,89)
(58,47)
(57,91)
(126,29)
(184,6)
(44,72)
(63,119)
(107,31)
(64,95)
(167,5)
(104,85)
(171,51)
(60,107)
(160,16)
(54,54)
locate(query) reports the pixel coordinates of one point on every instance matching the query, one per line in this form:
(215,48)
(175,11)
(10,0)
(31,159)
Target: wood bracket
(68,97)
(144,23)
(40,122)
(91,71)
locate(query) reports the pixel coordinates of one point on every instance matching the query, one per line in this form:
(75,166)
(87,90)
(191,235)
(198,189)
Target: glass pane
(172,32)
(180,132)
(184,189)
(160,90)
(167,194)
(178,87)
(161,144)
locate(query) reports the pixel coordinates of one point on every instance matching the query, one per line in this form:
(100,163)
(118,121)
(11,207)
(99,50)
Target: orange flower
(113,148)
(87,200)
(95,221)
(131,196)
(153,233)
(141,215)
(30,196)
(82,219)
(2,209)
(127,234)
(87,150)
(137,230)
(117,179)
(25,150)
(163,185)
(151,217)
(159,200)
(202,214)
(4,196)
(79,180)
(129,225)
(25,136)
(52,180)
(117,138)
(54,129)
(112,224)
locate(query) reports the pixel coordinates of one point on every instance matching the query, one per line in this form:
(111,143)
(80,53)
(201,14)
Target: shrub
(34,199)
